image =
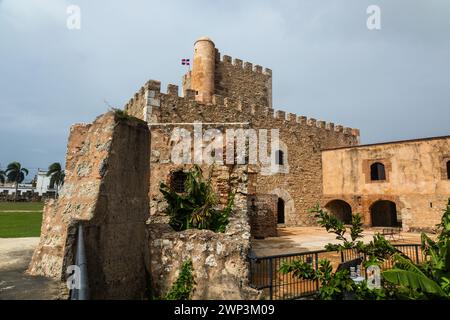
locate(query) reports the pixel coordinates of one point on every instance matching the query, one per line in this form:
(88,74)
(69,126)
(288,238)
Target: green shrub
(406,280)
(184,286)
(197,207)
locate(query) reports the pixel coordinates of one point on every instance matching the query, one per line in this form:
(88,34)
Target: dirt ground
(301,239)
(15,255)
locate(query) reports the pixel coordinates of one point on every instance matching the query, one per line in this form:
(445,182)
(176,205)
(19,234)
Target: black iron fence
(265,274)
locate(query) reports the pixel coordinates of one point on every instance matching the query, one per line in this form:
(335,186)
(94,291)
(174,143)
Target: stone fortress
(320,162)
(114,167)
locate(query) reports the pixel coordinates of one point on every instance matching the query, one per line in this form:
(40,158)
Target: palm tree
(2,176)
(15,173)
(56,175)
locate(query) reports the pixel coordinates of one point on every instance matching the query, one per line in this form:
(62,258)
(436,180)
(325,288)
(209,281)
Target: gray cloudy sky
(392,84)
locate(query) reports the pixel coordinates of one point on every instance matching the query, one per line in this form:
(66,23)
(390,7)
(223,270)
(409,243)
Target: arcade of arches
(341,210)
(383,213)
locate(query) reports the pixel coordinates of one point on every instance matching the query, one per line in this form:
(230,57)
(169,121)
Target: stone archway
(341,210)
(289,206)
(383,213)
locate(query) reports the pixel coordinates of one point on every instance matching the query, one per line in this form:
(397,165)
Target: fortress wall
(304,138)
(243,80)
(262,209)
(106,189)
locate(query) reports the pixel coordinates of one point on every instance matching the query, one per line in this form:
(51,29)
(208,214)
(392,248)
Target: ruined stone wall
(106,188)
(416,179)
(220,266)
(298,183)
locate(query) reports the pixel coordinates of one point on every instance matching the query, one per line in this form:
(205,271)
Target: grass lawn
(16,222)
(20,224)
(18,206)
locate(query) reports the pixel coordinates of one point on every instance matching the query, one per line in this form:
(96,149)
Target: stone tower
(202,78)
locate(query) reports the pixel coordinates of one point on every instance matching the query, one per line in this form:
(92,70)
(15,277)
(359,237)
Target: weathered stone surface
(262,210)
(416,180)
(106,188)
(219,259)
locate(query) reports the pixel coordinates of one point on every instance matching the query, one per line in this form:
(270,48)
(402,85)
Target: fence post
(417,253)
(270,279)
(316,260)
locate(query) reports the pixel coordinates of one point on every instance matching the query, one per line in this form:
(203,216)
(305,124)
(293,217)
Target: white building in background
(42,183)
(39,185)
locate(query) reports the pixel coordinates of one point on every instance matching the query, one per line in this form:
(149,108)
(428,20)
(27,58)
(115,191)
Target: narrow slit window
(279,157)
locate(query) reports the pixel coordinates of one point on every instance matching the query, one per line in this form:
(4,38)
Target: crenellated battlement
(245,66)
(150,96)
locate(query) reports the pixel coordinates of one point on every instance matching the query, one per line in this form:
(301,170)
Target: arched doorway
(280,211)
(288,207)
(341,210)
(383,213)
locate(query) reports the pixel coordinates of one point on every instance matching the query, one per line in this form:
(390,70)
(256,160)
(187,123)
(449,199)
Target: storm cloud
(392,83)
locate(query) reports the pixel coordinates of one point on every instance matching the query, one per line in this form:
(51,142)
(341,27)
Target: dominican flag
(185,62)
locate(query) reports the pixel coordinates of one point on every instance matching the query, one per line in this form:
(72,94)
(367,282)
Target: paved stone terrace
(301,239)
(15,255)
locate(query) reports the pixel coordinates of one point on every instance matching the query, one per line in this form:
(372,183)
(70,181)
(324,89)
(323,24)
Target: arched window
(177,181)
(279,157)
(377,171)
(448,169)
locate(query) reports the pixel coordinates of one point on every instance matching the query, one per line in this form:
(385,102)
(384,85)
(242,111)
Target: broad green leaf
(413,281)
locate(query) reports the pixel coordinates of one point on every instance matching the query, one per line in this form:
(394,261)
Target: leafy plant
(16,173)
(339,285)
(406,280)
(2,176)
(430,278)
(57,175)
(184,286)
(377,250)
(332,286)
(124,115)
(197,207)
